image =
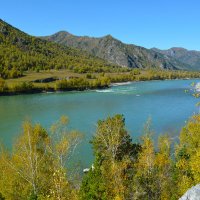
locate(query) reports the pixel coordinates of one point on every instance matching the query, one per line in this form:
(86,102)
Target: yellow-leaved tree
(36,167)
(187,155)
(144,179)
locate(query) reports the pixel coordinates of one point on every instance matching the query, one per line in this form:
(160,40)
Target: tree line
(92,81)
(122,169)
(78,84)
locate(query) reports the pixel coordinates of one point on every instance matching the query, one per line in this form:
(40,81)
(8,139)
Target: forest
(20,52)
(122,169)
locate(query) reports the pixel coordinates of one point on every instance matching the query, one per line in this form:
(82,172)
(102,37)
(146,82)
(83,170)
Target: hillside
(117,52)
(191,58)
(20,52)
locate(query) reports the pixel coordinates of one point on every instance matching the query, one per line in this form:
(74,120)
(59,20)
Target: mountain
(191,58)
(116,52)
(20,52)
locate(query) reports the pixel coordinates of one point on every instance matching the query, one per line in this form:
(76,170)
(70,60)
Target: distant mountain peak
(24,52)
(191,58)
(62,33)
(178,48)
(117,52)
(108,36)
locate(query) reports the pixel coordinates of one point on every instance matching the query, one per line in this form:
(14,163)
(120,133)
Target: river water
(166,102)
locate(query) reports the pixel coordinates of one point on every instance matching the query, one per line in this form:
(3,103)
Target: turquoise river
(166,102)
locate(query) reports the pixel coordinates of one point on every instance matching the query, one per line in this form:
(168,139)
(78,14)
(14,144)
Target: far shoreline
(114,84)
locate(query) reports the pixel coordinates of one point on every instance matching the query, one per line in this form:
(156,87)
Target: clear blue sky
(148,23)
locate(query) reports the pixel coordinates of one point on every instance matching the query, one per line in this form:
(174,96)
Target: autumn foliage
(122,169)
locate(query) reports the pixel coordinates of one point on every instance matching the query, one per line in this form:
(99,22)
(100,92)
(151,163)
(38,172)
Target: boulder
(192,194)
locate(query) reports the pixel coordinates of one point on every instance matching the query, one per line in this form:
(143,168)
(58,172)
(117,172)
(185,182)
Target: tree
(30,160)
(36,169)
(3,86)
(114,155)
(165,184)
(145,176)
(187,155)
(62,148)
(112,139)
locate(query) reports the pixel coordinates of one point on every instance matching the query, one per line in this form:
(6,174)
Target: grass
(61,74)
(32,76)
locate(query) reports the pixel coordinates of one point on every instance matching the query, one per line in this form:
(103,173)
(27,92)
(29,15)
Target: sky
(149,23)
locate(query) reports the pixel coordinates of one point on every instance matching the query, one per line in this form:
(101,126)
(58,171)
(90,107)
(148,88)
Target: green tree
(114,154)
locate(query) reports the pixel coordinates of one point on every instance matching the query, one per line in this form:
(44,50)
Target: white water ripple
(120,90)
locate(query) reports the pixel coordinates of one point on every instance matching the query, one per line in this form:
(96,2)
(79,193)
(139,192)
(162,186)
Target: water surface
(164,101)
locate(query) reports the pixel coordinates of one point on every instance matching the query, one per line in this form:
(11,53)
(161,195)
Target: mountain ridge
(113,50)
(190,57)
(63,50)
(20,52)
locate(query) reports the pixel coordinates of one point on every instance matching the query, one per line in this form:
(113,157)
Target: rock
(192,194)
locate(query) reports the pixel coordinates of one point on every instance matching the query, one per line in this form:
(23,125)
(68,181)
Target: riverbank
(52,90)
(78,84)
(88,82)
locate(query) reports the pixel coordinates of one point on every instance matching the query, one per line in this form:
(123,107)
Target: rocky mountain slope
(191,58)
(117,52)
